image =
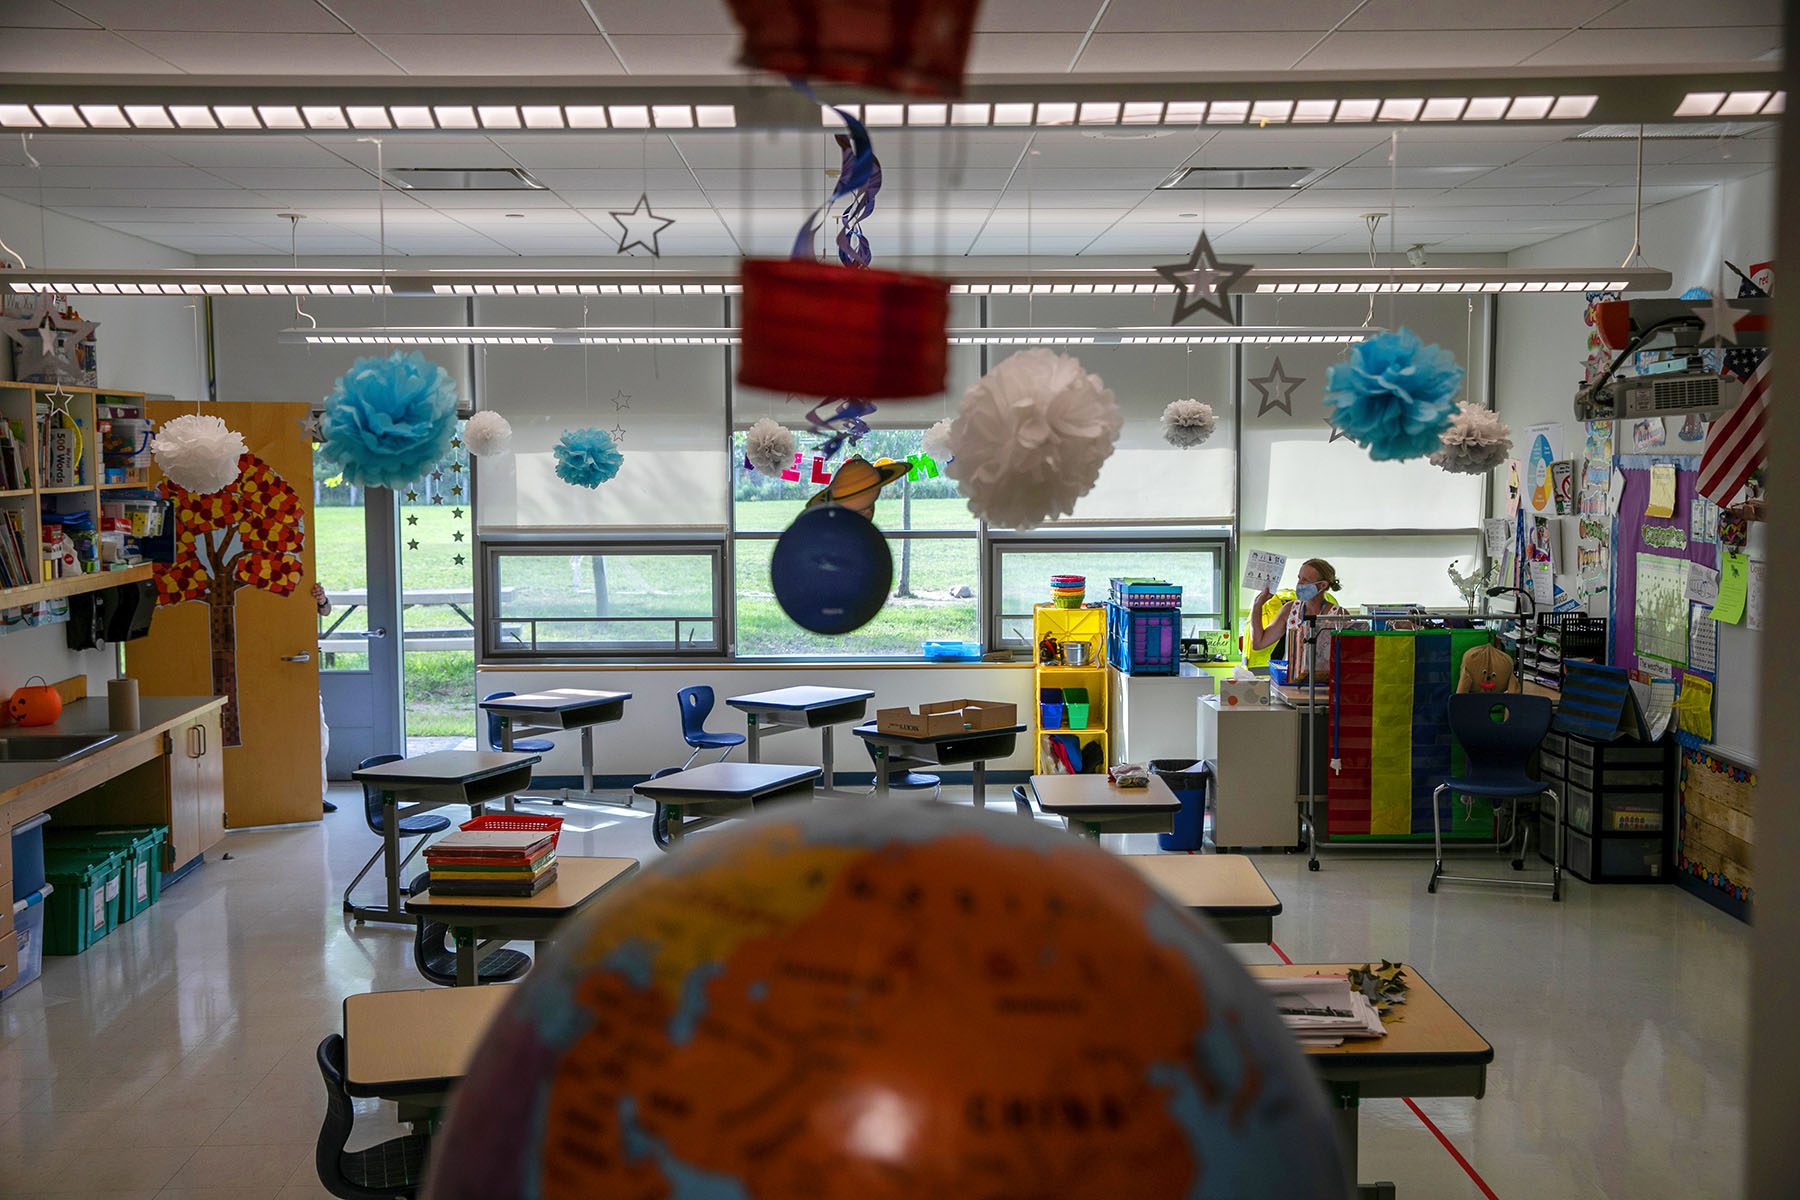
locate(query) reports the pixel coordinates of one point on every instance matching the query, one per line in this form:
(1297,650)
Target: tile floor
(175,1059)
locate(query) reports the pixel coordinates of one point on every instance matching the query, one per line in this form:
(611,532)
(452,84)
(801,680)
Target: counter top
(156,714)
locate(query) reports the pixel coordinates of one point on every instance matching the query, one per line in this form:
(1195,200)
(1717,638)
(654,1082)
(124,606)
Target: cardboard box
(947,716)
(1235,693)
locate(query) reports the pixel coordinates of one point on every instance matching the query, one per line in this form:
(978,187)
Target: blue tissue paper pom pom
(388,420)
(587,457)
(1395,396)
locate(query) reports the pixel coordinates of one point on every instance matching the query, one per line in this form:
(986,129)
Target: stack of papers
(484,863)
(1323,1010)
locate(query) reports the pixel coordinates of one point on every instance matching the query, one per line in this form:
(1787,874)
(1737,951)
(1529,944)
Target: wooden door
(259,642)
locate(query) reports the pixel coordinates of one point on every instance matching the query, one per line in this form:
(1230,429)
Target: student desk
(1433,1052)
(553,712)
(1094,805)
(481,923)
(802,708)
(414,1046)
(470,777)
(972,746)
(716,791)
(1226,888)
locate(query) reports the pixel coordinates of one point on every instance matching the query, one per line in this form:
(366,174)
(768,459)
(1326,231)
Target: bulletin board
(1715,831)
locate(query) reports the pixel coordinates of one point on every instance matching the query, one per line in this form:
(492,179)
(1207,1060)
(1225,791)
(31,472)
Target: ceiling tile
(200,150)
(312,179)
(667,16)
(88,150)
(1472,15)
(1189,52)
(1038,16)
(1686,48)
(496,54)
(171,177)
(267,53)
(465,16)
(42,14)
(200,16)
(1406,177)
(685,54)
(1388,50)
(76,52)
(1022,53)
(1666,14)
(1222,16)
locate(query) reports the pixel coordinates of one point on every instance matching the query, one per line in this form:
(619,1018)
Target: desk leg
(1344,1108)
(754,749)
(390,849)
(826,753)
(587,760)
(467,947)
(674,824)
(881,772)
(978,782)
(506,744)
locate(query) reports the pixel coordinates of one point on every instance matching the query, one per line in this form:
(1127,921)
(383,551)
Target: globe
(884,999)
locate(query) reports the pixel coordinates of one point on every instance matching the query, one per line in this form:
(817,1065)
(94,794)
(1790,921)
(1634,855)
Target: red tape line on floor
(1468,1168)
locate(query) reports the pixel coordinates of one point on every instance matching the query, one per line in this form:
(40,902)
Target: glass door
(437,616)
(359,660)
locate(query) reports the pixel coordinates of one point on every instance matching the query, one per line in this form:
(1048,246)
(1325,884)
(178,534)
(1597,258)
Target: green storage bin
(141,883)
(85,905)
(1076,701)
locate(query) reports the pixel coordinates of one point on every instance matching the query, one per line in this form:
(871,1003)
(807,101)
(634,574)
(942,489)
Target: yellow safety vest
(1254,658)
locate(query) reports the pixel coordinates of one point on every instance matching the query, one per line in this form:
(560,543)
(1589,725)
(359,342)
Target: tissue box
(1236,693)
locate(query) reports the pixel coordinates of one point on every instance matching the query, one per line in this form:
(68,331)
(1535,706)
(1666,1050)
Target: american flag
(1737,442)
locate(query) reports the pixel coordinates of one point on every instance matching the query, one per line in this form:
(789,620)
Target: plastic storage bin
(1076,707)
(84,907)
(1189,781)
(142,868)
(1143,641)
(947,651)
(28,929)
(28,857)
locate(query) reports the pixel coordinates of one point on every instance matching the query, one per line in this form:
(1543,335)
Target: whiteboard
(1738,688)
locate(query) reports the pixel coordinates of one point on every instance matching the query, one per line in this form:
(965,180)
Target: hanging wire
(25,145)
(1637,208)
(199,354)
(1030,240)
(1393,220)
(1372,220)
(381,223)
(294,220)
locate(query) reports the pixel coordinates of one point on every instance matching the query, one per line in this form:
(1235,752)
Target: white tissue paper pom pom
(1030,438)
(198,453)
(1187,423)
(1476,441)
(769,448)
(486,433)
(936,441)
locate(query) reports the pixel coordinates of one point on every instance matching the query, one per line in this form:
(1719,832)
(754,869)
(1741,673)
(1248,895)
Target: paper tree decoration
(248,534)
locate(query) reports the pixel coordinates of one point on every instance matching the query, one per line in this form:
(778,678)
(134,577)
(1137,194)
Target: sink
(51,747)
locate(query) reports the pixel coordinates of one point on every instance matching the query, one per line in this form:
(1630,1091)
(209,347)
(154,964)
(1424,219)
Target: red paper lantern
(815,329)
(914,46)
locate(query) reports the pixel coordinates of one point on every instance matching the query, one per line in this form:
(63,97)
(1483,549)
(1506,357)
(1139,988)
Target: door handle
(303,657)
(377,633)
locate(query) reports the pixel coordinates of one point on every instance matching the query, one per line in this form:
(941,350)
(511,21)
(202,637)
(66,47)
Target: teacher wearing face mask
(1273,617)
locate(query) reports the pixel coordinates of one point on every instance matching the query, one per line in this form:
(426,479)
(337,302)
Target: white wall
(142,346)
(649,736)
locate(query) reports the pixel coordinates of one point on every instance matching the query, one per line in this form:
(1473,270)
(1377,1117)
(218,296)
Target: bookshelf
(75,490)
(1086,624)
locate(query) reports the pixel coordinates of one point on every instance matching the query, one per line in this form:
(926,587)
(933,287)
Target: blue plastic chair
(522,745)
(1499,733)
(420,826)
(901,777)
(696,705)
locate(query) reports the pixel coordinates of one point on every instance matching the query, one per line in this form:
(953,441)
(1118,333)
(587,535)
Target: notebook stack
(492,863)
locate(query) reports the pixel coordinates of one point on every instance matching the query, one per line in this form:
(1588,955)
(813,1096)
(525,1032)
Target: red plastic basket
(516,823)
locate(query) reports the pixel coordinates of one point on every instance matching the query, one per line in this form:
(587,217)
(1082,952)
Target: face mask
(1305,592)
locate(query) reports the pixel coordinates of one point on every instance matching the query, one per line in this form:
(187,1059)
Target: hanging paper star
(437,499)
(456,443)
(622,401)
(457,536)
(460,560)
(638,223)
(456,468)
(457,513)
(412,518)
(309,426)
(412,543)
(56,335)
(454,491)
(1718,321)
(411,495)
(436,475)
(1277,389)
(1336,433)
(1203,282)
(618,433)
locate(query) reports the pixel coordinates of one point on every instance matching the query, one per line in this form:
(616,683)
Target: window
(931,535)
(590,599)
(1023,564)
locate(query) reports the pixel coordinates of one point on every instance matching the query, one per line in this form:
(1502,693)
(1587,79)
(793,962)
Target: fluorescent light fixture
(586,116)
(1142,113)
(18,116)
(1743,104)
(1699,104)
(236,116)
(629,116)
(60,116)
(193,116)
(542,116)
(105,116)
(498,116)
(884,114)
(672,116)
(927,114)
(1400,109)
(1314,111)
(1153,335)
(1486,108)
(1185,112)
(1530,108)
(324,116)
(362,281)
(280,116)
(970,114)
(149,116)
(1013,114)
(455,116)
(1056,114)
(1356,112)
(712,116)
(412,116)
(1227,112)
(1444,108)
(368,116)
(1099,113)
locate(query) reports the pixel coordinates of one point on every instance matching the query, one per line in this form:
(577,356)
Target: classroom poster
(1703,641)
(1734,588)
(1753,596)
(1545,442)
(1497,532)
(1648,433)
(1662,608)
(1540,559)
(1512,487)
(1662,492)
(1702,584)
(1596,475)
(1591,556)
(1562,482)
(1693,707)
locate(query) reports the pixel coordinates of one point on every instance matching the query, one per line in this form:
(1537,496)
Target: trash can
(1189,781)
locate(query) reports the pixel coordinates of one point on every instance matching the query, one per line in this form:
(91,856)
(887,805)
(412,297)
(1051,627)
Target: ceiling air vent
(462,179)
(1709,132)
(1241,179)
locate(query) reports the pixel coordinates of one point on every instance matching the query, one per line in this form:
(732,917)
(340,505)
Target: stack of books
(1324,1010)
(492,863)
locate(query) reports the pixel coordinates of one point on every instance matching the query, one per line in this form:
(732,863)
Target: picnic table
(346,601)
